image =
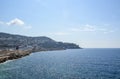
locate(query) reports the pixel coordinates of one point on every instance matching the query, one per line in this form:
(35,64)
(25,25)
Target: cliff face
(10,41)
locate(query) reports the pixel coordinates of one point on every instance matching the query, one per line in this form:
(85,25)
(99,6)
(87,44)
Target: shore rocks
(9,55)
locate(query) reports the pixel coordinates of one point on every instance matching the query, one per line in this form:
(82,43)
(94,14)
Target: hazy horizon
(89,23)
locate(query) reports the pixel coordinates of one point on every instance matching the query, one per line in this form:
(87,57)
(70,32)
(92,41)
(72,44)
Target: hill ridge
(10,41)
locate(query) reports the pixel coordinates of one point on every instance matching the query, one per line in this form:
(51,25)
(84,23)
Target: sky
(88,23)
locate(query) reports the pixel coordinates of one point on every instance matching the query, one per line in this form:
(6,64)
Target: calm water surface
(66,64)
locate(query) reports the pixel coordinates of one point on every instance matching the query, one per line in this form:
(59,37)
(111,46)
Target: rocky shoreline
(14,54)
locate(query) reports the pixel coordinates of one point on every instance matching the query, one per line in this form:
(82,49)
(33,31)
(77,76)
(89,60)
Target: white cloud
(86,28)
(90,28)
(61,33)
(15,21)
(106,32)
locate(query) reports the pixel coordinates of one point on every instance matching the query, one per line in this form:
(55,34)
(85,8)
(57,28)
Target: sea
(87,63)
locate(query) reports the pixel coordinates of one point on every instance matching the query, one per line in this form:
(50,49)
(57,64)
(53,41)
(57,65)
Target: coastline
(14,54)
(6,55)
(16,46)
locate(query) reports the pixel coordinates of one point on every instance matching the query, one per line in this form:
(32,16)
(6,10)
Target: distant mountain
(10,41)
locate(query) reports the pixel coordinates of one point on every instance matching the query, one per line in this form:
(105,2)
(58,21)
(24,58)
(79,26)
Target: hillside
(10,41)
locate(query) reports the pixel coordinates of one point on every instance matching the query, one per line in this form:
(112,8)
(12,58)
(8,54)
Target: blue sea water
(65,64)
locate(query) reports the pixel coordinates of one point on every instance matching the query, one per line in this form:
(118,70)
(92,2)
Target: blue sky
(89,23)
